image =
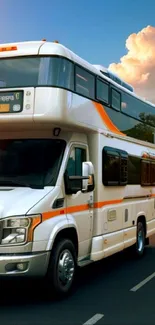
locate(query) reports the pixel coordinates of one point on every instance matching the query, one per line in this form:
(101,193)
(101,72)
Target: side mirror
(84,183)
(88,184)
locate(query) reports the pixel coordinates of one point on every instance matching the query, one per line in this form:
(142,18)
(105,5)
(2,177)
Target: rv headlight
(18,230)
(17,222)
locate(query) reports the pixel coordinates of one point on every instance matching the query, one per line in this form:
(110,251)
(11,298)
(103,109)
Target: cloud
(137,67)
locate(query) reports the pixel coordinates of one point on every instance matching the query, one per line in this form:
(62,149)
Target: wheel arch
(64,230)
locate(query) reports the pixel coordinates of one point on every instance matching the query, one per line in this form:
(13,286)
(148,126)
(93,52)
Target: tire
(62,268)
(140,243)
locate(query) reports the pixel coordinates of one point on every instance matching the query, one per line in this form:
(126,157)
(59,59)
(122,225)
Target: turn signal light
(9,48)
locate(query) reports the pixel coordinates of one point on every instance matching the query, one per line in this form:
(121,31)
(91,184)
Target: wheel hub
(66,267)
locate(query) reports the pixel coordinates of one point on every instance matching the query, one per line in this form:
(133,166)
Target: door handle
(91,202)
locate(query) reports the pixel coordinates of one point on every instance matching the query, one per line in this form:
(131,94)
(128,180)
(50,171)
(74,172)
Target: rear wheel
(62,267)
(140,243)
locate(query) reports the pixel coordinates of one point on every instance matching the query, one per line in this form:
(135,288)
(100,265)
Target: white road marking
(94,319)
(141,284)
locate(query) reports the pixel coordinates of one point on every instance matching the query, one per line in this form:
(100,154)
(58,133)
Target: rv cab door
(79,186)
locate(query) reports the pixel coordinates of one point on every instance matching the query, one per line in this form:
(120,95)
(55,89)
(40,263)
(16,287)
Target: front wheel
(62,267)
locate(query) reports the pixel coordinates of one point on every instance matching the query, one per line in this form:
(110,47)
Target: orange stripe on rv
(102,204)
(106,119)
(77,208)
(72,209)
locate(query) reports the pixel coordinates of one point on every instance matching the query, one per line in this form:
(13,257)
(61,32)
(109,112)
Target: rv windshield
(36,71)
(32,163)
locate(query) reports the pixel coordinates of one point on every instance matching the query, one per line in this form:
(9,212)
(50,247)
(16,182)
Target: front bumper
(24,264)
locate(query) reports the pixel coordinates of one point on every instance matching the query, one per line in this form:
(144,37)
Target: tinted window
(77,157)
(74,166)
(152,173)
(134,170)
(138,109)
(33,162)
(84,83)
(145,172)
(114,166)
(111,168)
(123,168)
(130,126)
(61,73)
(102,91)
(36,71)
(19,72)
(115,99)
(131,105)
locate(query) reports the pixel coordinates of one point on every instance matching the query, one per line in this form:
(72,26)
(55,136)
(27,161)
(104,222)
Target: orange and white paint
(98,218)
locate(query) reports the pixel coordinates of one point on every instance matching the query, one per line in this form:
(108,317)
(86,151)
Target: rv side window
(84,83)
(114,167)
(115,99)
(134,174)
(102,91)
(145,173)
(152,173)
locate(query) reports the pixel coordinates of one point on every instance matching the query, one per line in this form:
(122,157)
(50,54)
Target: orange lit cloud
(137,67)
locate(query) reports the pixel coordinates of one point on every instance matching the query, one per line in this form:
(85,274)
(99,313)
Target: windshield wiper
(12,182)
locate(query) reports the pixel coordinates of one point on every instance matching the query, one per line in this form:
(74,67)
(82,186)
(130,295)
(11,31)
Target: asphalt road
(102,296)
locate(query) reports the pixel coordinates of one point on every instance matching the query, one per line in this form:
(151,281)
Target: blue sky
(95,30)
